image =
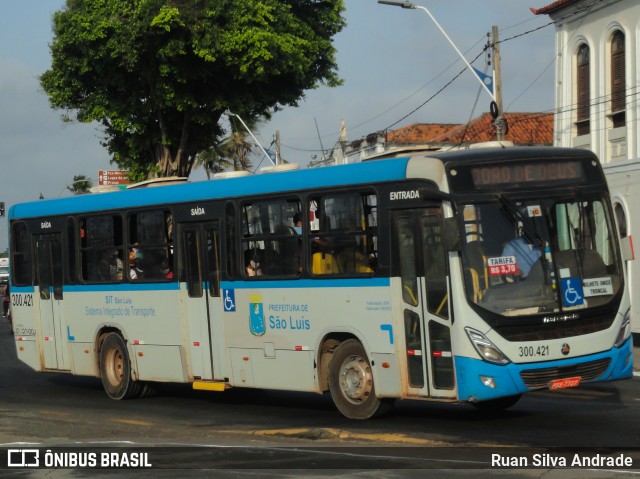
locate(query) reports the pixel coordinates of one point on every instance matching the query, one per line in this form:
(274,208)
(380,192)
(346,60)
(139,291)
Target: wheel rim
(356,381)
(114,367)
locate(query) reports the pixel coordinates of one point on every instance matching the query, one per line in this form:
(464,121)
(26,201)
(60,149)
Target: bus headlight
(486,349)
(625,330)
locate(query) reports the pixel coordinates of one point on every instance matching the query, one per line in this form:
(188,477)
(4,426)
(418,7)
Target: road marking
(333,434)
(133,422)
(49,412)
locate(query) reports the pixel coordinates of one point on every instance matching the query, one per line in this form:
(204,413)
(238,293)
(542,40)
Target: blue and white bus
(393,278)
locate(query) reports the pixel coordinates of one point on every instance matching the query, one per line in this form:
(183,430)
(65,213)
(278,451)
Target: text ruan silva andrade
(552,460)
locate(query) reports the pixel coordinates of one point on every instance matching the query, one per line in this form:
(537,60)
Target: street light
(397,4)
(484,79)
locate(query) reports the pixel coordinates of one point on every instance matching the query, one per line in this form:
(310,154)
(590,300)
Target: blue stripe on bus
(353,174)
(268,284)
(307,283)
(122,287)
(21,289)
(71,288)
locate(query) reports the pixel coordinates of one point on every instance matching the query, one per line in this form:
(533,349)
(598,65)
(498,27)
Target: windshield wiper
(528,228)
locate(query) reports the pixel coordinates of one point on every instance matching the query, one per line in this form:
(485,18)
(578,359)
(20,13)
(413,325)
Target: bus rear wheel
(351,383)
(115,368)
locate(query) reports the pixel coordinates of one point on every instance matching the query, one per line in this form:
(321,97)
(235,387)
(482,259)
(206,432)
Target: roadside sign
(113,177)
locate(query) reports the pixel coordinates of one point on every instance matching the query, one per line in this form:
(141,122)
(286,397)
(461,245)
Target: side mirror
(451,235)
(626,248)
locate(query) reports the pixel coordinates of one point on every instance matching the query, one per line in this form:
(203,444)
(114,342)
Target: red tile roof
(523,129)
(553,7)
(419,133)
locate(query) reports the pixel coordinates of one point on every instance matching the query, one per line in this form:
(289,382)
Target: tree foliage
(158,74)
(80,185)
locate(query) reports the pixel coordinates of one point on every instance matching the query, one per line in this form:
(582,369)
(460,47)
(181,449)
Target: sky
(391,60)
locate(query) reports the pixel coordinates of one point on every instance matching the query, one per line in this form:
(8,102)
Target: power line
(436,93)
(586,8)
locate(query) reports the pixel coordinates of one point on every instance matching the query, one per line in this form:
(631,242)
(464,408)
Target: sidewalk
(636,361)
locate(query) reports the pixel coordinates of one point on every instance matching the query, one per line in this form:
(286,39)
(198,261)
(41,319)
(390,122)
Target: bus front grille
(540,378)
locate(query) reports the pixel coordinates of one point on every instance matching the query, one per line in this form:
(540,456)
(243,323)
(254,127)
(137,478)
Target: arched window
(618,90)
(583,87)
(621,218)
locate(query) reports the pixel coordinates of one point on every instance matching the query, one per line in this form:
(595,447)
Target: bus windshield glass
(540,256)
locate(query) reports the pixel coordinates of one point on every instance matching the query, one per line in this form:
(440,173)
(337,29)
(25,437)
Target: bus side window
(270,242)
(21,265)
(101,248)
(230,234)
(344,234)
(151,246)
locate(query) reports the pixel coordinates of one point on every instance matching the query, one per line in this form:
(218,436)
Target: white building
(597,86)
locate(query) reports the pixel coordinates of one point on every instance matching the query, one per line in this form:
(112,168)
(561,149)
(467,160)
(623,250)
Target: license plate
(565,383)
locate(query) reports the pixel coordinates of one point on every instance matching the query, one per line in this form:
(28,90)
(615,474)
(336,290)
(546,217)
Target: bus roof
(352,174)
(364,173)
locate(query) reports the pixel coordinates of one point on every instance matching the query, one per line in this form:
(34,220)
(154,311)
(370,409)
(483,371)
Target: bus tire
(498,404)
(147,390)
(115,368)
(351,383)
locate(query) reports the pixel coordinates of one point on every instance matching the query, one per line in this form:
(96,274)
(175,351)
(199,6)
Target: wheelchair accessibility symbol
(229,300)
(572,293)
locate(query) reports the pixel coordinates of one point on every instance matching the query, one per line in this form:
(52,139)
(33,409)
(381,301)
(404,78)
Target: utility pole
(487,81)
(278,158)
(499,121)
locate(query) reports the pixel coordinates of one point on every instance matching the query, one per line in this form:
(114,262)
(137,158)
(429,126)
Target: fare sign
(502,265)
(113,177)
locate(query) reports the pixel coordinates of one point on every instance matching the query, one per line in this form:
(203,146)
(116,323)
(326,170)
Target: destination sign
(517,174)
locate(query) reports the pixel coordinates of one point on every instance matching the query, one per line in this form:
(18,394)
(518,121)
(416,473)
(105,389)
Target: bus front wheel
(351,383)
(115,368)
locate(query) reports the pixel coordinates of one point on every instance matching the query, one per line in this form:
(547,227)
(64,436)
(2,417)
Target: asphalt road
(276,433)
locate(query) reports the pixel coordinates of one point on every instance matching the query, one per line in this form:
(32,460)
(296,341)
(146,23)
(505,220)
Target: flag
(487,80)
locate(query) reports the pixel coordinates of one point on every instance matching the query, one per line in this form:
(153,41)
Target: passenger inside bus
(297,223)
(165,270)
(525,253)
(110,266)
(252,263)
(137,271)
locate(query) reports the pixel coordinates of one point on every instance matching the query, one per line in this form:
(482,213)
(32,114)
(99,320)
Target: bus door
(49,274)
(200,257)
(425,296)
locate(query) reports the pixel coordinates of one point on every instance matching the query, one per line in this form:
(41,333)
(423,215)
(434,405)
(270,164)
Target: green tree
(80,185)
(158,74)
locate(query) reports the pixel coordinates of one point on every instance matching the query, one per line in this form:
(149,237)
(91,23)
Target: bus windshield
(538,256)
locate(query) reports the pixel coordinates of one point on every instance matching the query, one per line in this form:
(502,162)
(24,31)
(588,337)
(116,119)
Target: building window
(618,90)
(583,85)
